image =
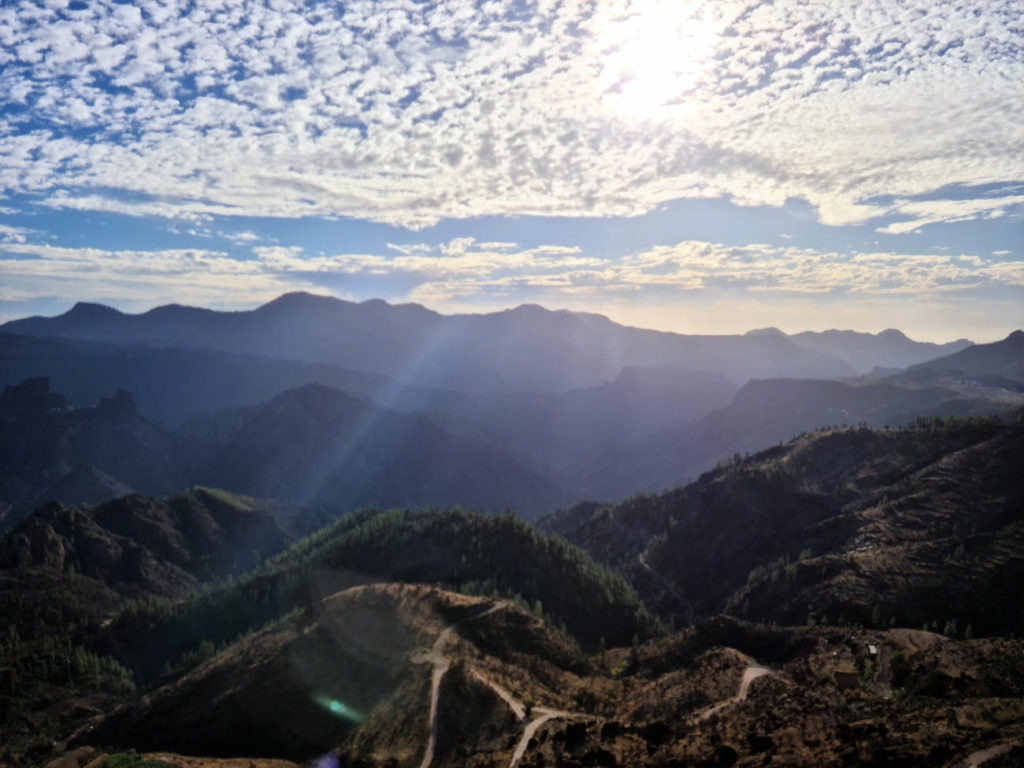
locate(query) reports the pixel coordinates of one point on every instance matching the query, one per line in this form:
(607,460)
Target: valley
(511,384)
(661,560)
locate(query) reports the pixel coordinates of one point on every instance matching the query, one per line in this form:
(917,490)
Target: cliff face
(144,545)
(75,455)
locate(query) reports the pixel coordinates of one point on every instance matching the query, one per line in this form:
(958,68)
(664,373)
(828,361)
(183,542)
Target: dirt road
(441,663)
(750,674)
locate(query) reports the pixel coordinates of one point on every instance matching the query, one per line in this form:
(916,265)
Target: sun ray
(653,56)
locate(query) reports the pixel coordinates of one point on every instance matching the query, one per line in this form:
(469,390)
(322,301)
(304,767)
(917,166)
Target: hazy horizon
(695,167)
(627,317)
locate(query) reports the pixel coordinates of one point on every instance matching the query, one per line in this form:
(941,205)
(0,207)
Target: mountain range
(312,445)
(844,593)
(866,351)
(337,534)
(521,350)
(659,409)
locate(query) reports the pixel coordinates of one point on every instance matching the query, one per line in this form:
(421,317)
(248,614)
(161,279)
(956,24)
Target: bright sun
(653,55)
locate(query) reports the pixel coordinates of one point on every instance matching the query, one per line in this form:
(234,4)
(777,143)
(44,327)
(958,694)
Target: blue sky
(692,166)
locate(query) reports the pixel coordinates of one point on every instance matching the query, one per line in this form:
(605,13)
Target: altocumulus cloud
(407,113)
(461,268)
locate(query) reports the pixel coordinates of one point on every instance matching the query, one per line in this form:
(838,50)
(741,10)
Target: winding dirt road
(982,756)
(518,709)
(750,674)
(531,728)
(441,664)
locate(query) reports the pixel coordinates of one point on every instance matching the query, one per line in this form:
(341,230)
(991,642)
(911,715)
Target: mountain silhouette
(521,350)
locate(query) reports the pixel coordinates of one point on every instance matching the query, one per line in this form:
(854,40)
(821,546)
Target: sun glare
(653,56)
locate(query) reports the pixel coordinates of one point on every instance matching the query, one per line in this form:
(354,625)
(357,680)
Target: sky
(700,167)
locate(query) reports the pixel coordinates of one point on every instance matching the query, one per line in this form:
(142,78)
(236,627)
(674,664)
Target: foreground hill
(527,349)
(763,413)
(463,550)
(1003,359)
(912,526)
(152,639)
(399,675)
(66,572)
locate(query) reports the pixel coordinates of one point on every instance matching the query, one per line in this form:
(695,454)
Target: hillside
(1003,359)
(763,413)
(398,675)
(173,385)
(348,644)
(911,526)
(320,446)
(52,452)
(142,545)
(65,573)
(521,350)
(468,551)
(310,445)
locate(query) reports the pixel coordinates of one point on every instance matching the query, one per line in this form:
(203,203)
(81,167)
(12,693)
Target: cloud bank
(444,274)
(408,113)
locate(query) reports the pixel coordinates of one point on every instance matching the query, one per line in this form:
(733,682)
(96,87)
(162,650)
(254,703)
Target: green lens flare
(338,708)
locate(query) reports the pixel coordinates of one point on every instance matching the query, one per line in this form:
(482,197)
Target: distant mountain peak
(770,331)
(893,333)
(84,310)
(302,299)
(534,309)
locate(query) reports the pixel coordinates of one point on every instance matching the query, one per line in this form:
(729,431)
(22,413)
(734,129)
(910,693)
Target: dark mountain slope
(142,545)
(312,445)
(554,433)
(173,385)
(52,452)
(1003,359)
(560,434)
(67,572)
(316,444)
(763,413)
(527,349)
(924,524)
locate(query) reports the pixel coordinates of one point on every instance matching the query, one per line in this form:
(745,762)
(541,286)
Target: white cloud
(9,234)
(207,277)
(462,274)
(407,113)
(241,238)
(934,211)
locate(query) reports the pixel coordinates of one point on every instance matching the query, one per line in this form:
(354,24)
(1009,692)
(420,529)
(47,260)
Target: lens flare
(338,708)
